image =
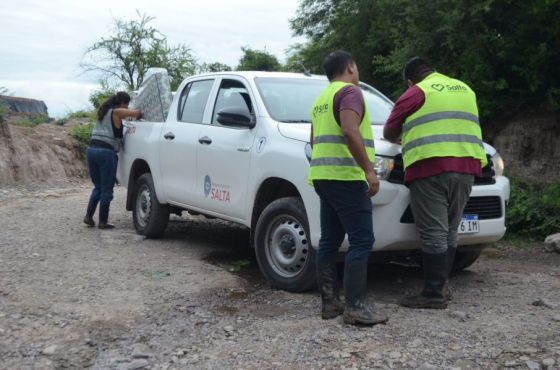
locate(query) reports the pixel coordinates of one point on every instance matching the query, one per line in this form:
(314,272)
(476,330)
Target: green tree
(132,49)
(507,50)
(295,60)
(97,97)
(258,60)
(213,67)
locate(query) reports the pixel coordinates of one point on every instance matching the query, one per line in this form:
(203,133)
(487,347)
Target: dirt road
(76,297)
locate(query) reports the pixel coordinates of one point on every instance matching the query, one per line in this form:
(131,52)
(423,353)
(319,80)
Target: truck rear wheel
(150,217)
(282,246)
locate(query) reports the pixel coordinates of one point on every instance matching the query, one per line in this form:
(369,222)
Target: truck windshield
(290,99)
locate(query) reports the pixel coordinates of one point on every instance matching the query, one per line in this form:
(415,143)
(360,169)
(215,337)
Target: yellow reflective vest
(446,125)
(331,159)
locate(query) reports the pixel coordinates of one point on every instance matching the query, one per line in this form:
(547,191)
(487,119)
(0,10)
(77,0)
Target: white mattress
(154,96)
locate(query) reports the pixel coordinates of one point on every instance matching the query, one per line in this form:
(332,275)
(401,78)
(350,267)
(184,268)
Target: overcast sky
(42,41)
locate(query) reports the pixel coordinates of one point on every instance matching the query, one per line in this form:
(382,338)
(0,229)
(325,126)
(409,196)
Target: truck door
(224,153)
(179,142)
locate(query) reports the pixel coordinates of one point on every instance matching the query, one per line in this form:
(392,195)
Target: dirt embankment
(45,153)
(530,146)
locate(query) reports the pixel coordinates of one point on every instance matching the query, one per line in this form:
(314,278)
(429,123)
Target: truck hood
(296,131)
(301,131)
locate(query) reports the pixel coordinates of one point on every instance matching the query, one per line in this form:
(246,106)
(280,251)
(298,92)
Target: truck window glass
(291,99)
(232,93)
(193,101)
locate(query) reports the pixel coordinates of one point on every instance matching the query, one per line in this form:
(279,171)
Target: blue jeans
(102,164)
(345,209)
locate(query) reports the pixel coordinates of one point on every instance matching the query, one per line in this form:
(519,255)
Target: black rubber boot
(356,311)
(435,278)
(331,306)
(450,259)
(88,219)
(104,217)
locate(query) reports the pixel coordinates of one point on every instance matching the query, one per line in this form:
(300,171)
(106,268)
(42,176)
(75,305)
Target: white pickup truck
(235,146)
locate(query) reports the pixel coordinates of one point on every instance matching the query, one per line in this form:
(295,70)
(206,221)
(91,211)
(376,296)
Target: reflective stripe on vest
(331,159)
(446,125)
(333,139)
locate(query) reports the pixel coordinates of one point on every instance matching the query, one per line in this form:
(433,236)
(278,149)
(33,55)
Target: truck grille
(486,208)
(487,178)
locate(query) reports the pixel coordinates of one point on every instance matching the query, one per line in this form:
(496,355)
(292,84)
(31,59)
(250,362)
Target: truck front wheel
(465,259)
(150,217)
(282,246)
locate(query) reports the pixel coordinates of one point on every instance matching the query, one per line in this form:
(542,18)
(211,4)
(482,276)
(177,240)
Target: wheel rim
(143,206)
(286,246)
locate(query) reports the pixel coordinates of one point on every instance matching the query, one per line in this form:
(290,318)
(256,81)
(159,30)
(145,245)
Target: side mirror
(236,117)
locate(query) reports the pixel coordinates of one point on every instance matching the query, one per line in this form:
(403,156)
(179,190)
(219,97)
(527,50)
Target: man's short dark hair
(336,62)
(415,69)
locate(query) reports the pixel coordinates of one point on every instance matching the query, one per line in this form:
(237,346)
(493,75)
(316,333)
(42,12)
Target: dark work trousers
(102,164)
(437,204)
(345,209)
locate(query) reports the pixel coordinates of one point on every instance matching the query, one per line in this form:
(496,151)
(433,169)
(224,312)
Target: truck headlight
(383,167)
(498,164)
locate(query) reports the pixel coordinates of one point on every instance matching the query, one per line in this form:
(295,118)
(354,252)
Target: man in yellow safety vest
(342,173)
(437,122)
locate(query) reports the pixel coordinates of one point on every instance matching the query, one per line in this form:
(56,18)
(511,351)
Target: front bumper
(393,235)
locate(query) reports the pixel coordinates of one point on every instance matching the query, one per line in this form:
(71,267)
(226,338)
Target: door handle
(205,140)
(169,136)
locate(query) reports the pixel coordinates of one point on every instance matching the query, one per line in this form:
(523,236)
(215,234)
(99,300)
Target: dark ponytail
(112,102)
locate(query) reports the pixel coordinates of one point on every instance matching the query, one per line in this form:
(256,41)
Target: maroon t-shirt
(409,102)
(349,97)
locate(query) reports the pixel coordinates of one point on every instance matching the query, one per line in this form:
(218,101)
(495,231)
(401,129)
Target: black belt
(94,143)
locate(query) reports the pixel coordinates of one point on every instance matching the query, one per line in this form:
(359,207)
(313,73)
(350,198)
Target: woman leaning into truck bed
(102,157)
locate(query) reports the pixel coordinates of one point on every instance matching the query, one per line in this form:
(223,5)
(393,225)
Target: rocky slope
(45,153)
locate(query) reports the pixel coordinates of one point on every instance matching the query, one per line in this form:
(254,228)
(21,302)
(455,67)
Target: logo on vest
(450,88)
(320,109)
(438,87)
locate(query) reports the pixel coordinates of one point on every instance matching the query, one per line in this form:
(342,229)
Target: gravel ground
(75,297)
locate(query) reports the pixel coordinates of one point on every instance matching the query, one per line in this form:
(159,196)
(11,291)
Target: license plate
(469,224)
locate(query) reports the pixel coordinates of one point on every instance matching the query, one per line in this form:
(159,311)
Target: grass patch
(77,115)
(237,266)
(533,211)
(30,120)
(517,242)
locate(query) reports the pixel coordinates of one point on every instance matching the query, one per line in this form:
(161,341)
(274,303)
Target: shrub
(534,209)
(61,121)
(80,114)
(82,133)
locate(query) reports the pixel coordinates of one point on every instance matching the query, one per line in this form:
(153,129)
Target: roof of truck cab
(253,74)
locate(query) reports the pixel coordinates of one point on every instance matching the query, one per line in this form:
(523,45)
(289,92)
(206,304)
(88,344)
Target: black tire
(282,247)
(464,260)
(150,217)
